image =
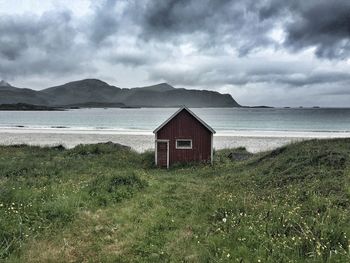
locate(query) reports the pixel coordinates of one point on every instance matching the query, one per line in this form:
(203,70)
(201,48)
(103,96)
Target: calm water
(147,119)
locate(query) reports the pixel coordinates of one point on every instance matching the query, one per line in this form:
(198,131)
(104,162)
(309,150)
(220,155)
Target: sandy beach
(254,141)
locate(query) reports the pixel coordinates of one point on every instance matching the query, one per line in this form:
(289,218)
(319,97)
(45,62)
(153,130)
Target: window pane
(184,144)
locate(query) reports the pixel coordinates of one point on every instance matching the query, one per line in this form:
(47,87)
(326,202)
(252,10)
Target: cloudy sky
(262,52)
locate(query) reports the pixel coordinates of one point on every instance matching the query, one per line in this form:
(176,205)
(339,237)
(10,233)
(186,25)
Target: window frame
(183,147)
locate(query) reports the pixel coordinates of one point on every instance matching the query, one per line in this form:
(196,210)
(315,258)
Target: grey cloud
(56,66)
(338,91)
(39,44)
(288,74)
(316,78)
(13,37)
(133,59)
(10,50)
(104,22)
(245,25)
(273,8)
(51,32)
(324,24)
(235,23)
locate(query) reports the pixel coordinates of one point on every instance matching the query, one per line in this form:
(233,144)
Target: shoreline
(253,141)
(234,133)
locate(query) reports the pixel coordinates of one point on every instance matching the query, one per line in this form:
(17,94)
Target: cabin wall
(185,126)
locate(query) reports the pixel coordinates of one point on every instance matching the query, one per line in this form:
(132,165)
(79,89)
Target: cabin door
(163,153)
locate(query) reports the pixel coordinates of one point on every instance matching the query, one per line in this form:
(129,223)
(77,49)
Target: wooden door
(162,154)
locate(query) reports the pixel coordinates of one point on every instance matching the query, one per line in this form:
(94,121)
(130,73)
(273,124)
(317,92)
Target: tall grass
(108,203)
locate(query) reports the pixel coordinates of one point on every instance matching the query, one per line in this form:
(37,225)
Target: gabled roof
(190,112)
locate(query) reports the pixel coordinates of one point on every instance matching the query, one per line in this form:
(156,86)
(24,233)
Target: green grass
(101,203)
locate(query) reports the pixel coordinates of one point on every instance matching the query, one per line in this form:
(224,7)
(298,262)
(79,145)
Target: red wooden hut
(184,137)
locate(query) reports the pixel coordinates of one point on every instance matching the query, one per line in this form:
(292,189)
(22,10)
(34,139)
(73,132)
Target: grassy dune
(104,203)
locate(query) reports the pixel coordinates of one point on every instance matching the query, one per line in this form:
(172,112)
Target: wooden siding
(185,126)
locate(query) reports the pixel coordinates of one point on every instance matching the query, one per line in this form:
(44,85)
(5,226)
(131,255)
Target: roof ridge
(190,112)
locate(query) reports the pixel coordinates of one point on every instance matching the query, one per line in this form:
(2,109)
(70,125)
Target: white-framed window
(183,144)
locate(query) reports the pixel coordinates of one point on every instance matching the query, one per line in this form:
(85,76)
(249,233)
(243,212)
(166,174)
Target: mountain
(4,84)
(12,95)
(83,91)
(96,92)
(179,97)
(158,87)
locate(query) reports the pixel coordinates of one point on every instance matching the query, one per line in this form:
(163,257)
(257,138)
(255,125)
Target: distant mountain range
(96,93)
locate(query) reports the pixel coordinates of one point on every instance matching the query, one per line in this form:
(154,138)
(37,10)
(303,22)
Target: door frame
(167,151)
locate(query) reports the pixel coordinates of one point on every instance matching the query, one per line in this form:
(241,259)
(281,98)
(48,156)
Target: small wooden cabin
(182,138)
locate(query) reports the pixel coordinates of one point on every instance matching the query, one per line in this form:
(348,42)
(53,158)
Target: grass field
(102,203)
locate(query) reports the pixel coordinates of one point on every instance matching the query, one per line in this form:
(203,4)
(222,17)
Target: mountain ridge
(95,91)
(3,83)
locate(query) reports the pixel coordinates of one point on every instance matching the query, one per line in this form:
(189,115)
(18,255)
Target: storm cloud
(245,24)
(49,33)
(249,48)
(322,24)
(45,44)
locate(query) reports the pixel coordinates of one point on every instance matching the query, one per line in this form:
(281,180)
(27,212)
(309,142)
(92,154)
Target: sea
(145,120)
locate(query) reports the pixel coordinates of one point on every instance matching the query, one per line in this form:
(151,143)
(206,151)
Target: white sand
(254,141)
